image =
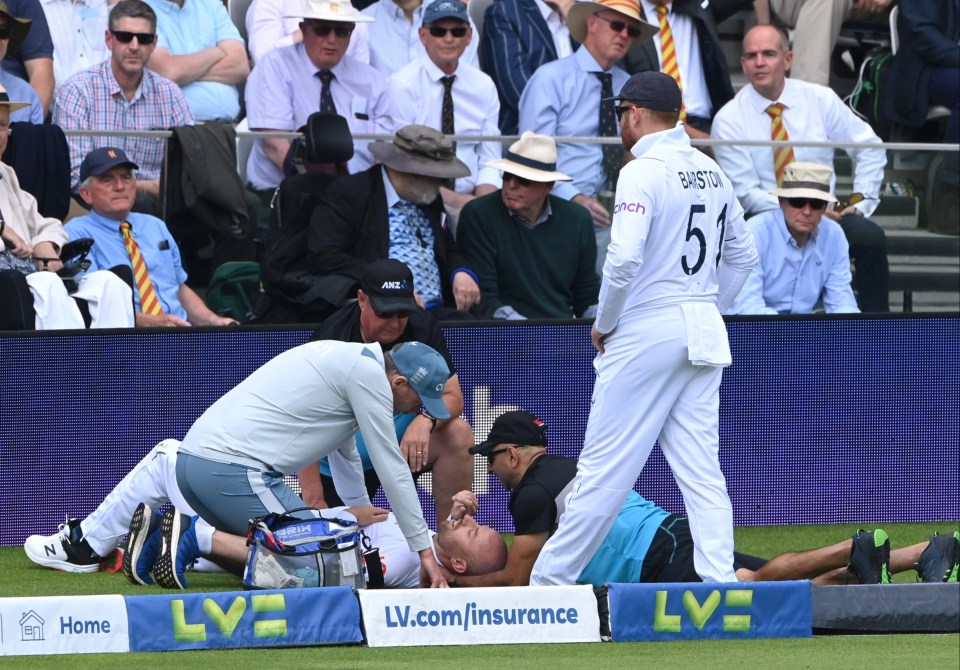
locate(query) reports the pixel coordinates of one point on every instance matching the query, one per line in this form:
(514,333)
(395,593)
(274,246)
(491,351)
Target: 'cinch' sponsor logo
(629,207)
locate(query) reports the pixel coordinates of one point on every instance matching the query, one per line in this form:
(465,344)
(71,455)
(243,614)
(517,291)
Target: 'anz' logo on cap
(394,285)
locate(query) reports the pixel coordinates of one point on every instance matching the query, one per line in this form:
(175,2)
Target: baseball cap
(389,285)
(100,160)
(651,90)
(426,372)
(517,427)
(445,9)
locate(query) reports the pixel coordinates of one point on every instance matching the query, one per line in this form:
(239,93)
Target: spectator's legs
(17,312)
(816,27)
(55,309)
(451,463)
(108,298)
(868,249)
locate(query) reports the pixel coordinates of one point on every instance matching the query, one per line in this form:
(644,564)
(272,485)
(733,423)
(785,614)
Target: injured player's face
(472,548)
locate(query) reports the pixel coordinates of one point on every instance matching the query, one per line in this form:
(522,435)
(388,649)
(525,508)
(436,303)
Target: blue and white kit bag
(286,552)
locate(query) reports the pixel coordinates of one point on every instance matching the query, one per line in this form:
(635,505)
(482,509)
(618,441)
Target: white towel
(707,342)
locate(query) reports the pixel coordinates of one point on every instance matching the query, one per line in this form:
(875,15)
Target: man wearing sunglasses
(394,38)
(563,99)
(291,82)
(386,311)
(440,90)
(774,106)
(122,88)
(13,30)
(804,258)
(533,252)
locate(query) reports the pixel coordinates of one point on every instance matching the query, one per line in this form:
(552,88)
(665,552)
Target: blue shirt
(157,247)
(562,99)
(20,91)
(791,279)
(199,25)
(620,557)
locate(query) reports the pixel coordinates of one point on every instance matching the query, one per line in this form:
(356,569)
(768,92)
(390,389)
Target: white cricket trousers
(646,389)
(109,299)
(152,481)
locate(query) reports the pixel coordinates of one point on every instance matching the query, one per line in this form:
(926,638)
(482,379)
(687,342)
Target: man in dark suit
(705,79)
(518,37)
(394,210)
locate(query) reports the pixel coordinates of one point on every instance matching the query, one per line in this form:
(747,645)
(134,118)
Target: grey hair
(133,9)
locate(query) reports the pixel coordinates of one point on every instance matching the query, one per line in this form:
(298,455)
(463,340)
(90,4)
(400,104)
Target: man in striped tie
(687,48)
(139,241)
(775,107)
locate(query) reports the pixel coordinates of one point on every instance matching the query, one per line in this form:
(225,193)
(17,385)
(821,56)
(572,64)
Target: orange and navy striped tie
(149,304)
(782,156)
(668,54)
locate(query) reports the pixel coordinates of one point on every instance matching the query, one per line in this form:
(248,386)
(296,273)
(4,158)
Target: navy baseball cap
(651,90)
(517,427)
(389,285)
(426,372)
(445,9)
(100,160)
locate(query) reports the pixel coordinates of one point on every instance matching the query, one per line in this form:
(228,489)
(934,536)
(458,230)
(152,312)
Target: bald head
(468,548)
(766,59)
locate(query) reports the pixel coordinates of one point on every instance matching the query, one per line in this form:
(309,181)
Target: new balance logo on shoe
(51,549)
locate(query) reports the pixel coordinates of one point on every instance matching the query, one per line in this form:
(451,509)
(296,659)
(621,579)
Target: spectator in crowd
(287,84)
(76,28)
(395,211)
(121,94)
(31,292)
(13,30)
(395,35)
(816,25)
(535,253)
(386,312)
(456,98)
(572,97)
(775,107)
(804,257)
(138,241)
(518,37)
(687,48)
(33,60)
(647,543)
(200,50)
(276,23)
(928,61)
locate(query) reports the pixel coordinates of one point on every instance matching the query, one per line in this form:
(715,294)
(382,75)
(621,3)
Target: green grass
(21,578)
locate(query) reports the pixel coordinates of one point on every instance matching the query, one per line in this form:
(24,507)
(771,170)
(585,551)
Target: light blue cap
(426,372)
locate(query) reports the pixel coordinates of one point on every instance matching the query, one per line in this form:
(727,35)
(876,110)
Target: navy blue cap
(445,9)
(651,90)
(100,160)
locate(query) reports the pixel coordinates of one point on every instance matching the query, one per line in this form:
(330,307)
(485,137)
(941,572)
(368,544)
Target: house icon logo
(31,627)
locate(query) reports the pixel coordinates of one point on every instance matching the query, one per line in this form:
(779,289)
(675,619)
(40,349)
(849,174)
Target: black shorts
(670,557)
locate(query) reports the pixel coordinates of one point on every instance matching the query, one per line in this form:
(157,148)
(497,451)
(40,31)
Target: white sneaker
(60,553)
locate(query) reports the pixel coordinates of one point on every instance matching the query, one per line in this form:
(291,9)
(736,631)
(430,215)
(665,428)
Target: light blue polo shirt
(199,25)
(157,247)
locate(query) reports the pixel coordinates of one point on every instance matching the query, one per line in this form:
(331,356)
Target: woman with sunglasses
(804,256)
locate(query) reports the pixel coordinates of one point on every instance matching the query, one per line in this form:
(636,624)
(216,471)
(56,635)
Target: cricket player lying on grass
(648,544)
(167,550)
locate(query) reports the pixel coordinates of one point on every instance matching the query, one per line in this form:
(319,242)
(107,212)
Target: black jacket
(40,156)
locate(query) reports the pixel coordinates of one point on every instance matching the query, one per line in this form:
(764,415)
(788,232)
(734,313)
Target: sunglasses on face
(800,203)
(386,316)
(5,32)
(437,31)
(323,29)
(520,180)
(125,37)
(620,111)
(492,456)
(618,26)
